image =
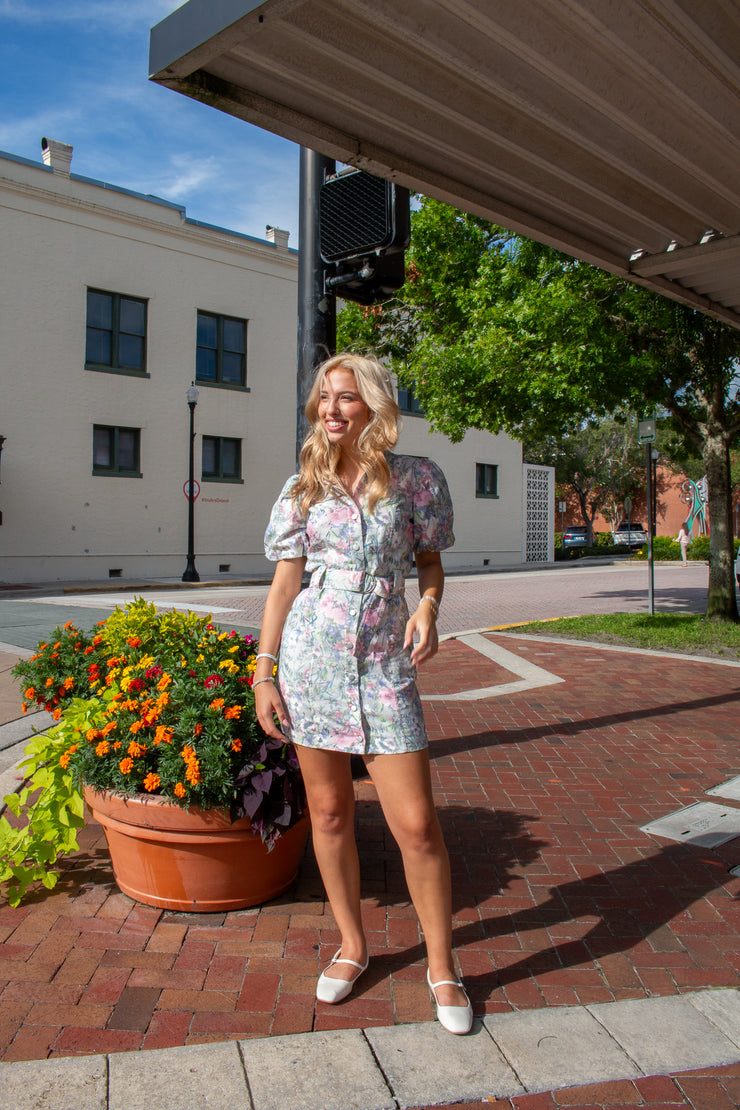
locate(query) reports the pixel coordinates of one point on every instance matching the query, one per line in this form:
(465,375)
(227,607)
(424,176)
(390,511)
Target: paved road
(471,601)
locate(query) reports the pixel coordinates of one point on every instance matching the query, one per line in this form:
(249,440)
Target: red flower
(213,680)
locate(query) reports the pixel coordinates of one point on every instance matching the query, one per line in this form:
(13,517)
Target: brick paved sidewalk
(559,899)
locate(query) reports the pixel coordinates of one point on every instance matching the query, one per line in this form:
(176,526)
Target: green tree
(599,465)
(505,334)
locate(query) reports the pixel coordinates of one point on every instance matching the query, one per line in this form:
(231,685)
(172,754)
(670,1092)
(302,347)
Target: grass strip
(687,633)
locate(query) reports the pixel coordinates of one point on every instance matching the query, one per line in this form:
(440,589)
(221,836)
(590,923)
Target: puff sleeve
(433,515)
(285,537)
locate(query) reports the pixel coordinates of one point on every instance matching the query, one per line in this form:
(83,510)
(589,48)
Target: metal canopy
(607,128)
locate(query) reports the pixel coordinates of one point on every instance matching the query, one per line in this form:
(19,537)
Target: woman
(684,539)
(356,517)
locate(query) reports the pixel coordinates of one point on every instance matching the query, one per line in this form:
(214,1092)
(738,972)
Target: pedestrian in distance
(356,518)
(684,538)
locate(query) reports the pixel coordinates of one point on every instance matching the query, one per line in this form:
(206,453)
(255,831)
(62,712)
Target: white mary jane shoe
(455,1019)
(329,989)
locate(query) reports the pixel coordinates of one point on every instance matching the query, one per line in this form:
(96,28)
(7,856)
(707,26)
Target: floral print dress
(346,680)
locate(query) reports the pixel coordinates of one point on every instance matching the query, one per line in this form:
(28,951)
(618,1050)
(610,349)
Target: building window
(116,333)
(221,354)
(408,401)
(222,459)
(116,451)
(486,480)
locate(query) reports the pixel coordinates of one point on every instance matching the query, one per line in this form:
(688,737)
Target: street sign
(646,431)
(196,490)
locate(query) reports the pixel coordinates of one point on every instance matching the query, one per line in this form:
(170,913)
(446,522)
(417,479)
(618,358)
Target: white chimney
(57,155)
(277,236)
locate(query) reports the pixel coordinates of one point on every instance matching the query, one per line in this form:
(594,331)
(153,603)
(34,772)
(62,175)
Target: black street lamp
(191,574)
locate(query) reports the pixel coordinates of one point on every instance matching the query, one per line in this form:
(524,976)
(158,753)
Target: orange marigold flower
(30,692)
(57,714)
(193,772)
(102,748)
(163,735)
(236,744)
(188,753)
(50,681)
(24,707)
(136,726)
(134,642)
(116,745)
(151,782)
(97,640)
(135,749)
(164,682)
(126,766)
(69,683)
(58,644)
(108,728)
(198,729)
(179,790)
(89,650)
(92,734)
(233,713)
(217,703)
(112,661)
(64,760)
(68,625)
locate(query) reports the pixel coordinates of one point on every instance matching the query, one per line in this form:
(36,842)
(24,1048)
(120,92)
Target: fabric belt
(357,581)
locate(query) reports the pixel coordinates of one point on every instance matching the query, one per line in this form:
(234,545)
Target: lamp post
(191,574)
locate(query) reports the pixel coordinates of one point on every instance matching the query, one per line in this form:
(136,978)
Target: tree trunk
(721,600)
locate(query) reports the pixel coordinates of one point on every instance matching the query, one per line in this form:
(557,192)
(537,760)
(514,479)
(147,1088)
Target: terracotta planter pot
(193,860)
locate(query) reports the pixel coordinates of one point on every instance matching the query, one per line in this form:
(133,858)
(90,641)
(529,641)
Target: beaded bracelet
(432,601)
(257,681)
(265,655)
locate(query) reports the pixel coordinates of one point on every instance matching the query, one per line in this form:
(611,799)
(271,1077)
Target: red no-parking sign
(196,490)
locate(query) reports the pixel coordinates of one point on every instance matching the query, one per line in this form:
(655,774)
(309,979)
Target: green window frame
(221,351)
(116,452)
(116,333)
(486,480)
(221,459)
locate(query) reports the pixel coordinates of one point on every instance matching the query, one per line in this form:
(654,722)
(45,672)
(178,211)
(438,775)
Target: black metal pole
(191,574)
(317,320)
(651,531)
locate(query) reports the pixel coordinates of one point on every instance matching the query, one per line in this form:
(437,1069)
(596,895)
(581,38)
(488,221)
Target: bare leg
(404,788)
(331,801)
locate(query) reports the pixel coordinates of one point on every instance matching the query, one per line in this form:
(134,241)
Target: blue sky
(76,71)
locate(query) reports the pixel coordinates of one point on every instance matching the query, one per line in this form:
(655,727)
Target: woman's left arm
(424,621)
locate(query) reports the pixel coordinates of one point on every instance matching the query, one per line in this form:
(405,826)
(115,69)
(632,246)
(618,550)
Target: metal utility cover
(704,825)
(729,789)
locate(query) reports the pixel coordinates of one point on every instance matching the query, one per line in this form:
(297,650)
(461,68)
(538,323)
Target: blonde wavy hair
(320,458)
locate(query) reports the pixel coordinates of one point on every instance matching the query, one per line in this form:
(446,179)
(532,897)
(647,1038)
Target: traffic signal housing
(364,229)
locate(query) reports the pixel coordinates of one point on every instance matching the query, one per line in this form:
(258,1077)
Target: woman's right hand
(268,704)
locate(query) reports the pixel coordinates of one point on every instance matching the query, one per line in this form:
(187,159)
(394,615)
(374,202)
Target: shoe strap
(446,983)
(354,963)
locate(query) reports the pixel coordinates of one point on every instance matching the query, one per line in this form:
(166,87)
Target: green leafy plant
(53,808)
(157,703)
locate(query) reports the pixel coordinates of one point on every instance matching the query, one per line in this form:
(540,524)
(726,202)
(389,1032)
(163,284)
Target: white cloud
(129,15)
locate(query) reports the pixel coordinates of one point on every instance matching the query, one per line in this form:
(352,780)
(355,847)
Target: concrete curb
(398,1067)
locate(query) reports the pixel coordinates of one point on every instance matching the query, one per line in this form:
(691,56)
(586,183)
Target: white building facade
(111,304)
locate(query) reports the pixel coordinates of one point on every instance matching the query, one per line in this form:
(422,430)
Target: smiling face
(342,410)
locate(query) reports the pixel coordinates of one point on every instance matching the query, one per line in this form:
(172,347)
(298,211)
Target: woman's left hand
(423,623)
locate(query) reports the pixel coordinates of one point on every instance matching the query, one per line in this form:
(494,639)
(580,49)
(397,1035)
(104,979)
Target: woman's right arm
(286,585)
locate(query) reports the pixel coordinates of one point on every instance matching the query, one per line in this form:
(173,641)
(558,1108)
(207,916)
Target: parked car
(629,535)
(575,537)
